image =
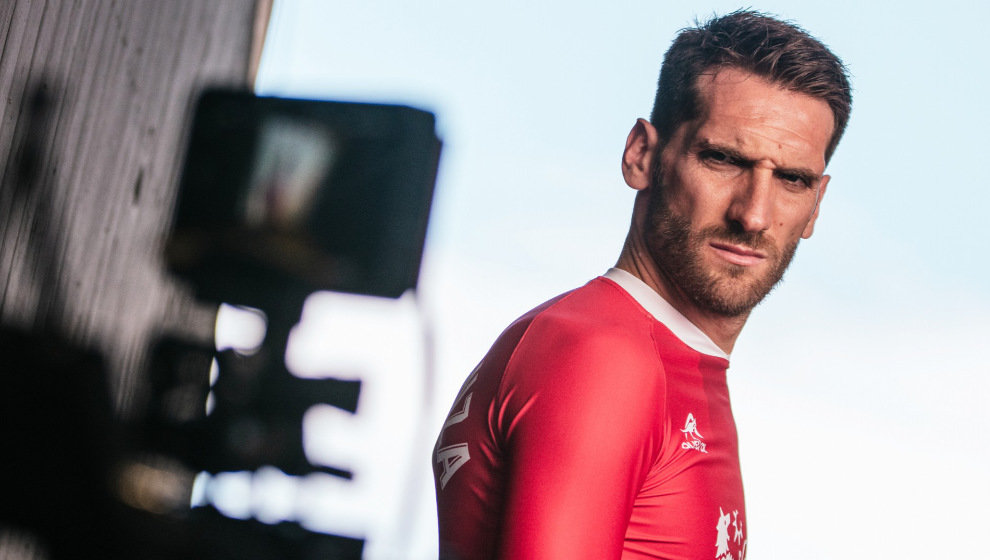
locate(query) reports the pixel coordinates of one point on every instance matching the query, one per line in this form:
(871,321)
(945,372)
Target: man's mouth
(738,254)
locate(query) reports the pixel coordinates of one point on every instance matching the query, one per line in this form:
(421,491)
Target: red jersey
(592,430)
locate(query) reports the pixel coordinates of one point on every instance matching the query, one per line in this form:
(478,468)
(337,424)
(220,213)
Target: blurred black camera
(278,198)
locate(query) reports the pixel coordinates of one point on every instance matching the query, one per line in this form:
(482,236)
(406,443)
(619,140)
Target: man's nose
(752,202)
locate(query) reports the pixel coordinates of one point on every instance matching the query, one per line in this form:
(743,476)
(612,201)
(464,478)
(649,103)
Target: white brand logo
(722,540)
(691,435)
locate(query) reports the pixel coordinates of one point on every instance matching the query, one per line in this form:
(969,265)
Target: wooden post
(81,250)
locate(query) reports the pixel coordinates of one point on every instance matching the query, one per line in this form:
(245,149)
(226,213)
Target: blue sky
(858,386)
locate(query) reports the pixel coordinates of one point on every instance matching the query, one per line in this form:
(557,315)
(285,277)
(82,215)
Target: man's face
(736,189)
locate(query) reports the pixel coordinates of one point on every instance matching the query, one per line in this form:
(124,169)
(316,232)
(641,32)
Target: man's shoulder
(592,349)
(598,309)
(596,323)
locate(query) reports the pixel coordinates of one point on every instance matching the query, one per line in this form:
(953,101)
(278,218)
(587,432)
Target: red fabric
(590,431)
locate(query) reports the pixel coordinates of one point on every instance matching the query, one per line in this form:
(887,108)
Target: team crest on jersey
(729,547)
(692,439)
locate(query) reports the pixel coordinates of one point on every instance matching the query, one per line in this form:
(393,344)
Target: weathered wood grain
(122,76)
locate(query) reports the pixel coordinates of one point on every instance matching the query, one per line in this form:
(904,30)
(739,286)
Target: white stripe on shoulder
(664,312)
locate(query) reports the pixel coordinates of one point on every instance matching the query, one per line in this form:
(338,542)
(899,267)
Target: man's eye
(714,156)
(795,179)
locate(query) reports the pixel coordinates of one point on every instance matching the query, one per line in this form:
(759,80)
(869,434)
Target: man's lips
(738,254)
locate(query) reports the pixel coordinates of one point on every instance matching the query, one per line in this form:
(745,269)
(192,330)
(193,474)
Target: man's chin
(732,295)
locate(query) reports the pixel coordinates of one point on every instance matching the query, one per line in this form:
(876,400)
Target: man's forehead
(742,88)
(739,108)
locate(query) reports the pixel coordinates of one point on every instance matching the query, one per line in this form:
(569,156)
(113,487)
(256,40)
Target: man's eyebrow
(737,157)
(733,154)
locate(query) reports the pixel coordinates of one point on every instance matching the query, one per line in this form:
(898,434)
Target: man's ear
(637,159)
(810,227)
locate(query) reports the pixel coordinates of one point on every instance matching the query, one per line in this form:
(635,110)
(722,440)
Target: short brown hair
(778,51)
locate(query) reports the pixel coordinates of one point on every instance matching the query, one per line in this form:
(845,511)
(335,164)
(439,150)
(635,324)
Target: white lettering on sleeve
(451,458)
(460,415)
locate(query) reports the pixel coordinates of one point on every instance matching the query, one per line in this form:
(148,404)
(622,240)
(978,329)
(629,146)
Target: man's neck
(721,329)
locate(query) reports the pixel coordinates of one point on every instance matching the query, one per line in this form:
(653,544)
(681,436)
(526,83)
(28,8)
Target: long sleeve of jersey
(582,434)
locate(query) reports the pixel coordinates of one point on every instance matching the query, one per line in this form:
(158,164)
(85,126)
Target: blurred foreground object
(290,194)
(279,198)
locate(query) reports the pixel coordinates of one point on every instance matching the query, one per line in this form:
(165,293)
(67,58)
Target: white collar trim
(664,312)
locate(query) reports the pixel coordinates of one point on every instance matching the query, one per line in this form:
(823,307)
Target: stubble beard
(677,252)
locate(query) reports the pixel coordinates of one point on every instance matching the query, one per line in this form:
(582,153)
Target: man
(599,426)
